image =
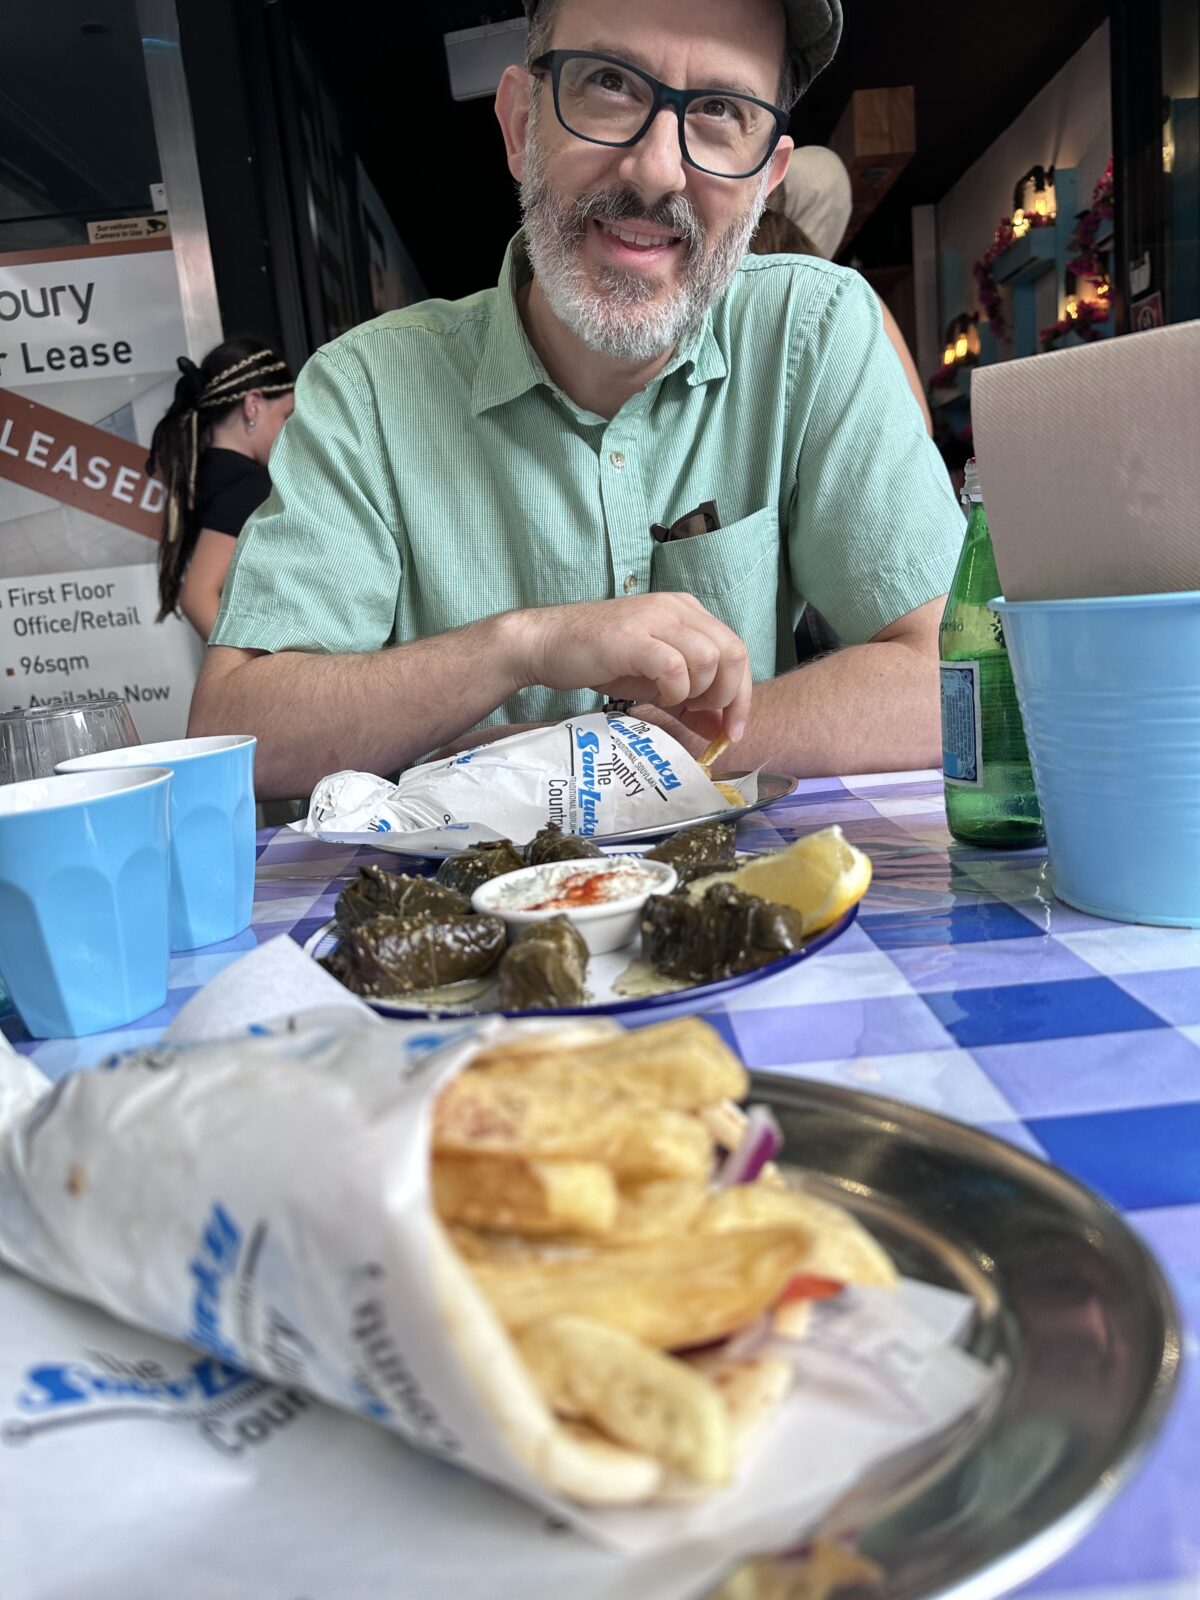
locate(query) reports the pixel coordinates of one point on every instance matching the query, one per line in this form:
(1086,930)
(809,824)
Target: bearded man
(625,470)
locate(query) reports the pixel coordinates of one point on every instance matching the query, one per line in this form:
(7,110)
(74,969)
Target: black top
(229,487)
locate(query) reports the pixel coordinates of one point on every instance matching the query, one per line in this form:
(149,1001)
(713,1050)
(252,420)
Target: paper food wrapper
(265,1201)
(591,775)
(1089,467)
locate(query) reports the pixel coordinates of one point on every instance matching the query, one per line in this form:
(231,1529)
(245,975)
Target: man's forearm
(867,708)
(316,714)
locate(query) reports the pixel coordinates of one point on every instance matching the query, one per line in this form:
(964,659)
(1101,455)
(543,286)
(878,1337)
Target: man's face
(629,297)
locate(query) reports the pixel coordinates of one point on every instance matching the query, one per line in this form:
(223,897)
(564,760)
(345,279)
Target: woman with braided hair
(211,451)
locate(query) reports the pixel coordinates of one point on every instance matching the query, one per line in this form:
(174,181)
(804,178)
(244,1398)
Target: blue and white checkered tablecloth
(964,987)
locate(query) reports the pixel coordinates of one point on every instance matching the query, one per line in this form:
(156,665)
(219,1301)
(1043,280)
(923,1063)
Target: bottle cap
(972,494)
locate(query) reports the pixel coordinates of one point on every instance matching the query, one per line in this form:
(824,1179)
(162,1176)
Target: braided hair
(204,394)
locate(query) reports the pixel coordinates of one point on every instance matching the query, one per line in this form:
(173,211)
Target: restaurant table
(963,987)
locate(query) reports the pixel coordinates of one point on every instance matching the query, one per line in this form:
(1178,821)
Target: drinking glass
(35,740)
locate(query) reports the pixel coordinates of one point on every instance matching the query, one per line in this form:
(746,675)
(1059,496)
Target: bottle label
(962,725)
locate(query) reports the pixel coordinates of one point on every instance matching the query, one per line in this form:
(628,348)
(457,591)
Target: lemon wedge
(821,876)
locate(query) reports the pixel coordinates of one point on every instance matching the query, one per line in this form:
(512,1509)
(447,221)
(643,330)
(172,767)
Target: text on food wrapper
(387,1385)
(587,793)
(641,744)
(212,1268)
(54,1385)
(233,1411)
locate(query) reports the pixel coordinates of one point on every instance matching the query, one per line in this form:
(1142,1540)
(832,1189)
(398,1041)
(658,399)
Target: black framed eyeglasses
(607,101)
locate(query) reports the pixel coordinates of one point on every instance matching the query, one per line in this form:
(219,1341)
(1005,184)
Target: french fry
(837,1245)
(537,1197)
(659,1209)
(478,1114)
(633,1394)
(670,1293)
(680,1065)
(713,753)
(473,1245)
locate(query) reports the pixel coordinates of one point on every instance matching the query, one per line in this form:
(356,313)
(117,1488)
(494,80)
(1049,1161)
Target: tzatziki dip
(571,885)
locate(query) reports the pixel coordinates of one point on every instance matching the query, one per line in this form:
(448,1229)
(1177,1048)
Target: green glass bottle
(990,797)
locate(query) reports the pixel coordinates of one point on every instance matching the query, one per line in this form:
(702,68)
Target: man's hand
(665,649)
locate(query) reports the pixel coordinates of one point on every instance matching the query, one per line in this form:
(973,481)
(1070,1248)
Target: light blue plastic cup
(1109,690)
(212,829)
(84,876)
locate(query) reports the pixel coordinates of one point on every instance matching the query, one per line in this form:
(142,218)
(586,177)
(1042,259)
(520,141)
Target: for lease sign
(67,315)
(83,466)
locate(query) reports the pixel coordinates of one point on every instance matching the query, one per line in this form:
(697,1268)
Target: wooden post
(876,137)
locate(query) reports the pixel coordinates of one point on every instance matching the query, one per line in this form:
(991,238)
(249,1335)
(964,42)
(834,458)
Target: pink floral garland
(1085,262)
(1085,322)
(989,290)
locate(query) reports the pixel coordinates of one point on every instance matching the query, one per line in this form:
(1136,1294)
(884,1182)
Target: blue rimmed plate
(603,973)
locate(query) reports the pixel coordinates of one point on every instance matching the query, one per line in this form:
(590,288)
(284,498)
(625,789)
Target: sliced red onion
(748,1341)
(737,1346)
(761,1141)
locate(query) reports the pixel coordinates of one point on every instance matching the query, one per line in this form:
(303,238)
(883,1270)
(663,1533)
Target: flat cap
(814,28)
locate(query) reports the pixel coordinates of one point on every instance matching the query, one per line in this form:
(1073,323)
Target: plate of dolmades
(419,947)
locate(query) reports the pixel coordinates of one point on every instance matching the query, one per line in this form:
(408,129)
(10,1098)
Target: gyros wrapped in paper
(555,1254)
(590,776)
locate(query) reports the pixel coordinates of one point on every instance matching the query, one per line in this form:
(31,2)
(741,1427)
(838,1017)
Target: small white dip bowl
(604,924)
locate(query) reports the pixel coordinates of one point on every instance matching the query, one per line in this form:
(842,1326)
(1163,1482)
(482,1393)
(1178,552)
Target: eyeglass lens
(604,102)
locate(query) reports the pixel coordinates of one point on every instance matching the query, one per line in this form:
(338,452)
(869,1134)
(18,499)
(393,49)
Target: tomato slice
(807,1286)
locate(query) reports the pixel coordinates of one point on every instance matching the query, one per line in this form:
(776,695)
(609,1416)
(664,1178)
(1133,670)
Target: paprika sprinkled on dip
(602,896)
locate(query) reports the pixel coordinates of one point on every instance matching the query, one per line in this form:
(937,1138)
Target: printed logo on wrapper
(232,1410)
(640,739)
(587,794)
(213,1268)
(385,1372)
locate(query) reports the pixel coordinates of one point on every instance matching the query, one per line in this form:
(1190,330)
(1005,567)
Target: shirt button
(616,458)
(630,583)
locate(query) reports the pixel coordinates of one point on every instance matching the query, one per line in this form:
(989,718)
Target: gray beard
(618,314)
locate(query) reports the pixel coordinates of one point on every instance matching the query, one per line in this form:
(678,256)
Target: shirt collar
(509,367)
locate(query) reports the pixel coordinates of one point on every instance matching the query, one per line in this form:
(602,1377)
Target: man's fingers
(737,712)
(728,680)
(666,667)
(666,648)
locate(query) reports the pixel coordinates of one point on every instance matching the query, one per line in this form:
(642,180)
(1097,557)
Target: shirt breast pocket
(734,572)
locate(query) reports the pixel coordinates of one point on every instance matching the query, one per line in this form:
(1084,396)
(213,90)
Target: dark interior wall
(229,55)
(440,165)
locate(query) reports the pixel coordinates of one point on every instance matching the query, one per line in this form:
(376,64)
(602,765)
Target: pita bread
(752,1389)
(566,1457)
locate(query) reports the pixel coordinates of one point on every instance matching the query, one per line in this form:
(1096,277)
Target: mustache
(672,212)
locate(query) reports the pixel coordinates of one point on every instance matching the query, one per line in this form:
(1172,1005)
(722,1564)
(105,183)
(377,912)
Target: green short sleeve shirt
(432,474)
